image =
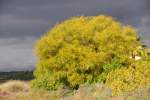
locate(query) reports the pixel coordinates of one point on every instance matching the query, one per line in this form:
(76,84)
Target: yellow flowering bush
(83,50)
(129,78)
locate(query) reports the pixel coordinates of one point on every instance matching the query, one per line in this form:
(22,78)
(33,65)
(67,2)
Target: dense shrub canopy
(83,50)
(129,78)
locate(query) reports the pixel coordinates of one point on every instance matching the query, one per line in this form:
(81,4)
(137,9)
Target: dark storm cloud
(23,21)
(33,17)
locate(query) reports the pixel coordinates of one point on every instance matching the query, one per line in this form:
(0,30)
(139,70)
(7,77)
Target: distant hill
(16,75)
(11,69)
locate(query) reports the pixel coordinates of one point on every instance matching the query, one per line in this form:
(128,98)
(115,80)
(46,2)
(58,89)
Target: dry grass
(91,92)
(11,88)
(35,95)
(17,90)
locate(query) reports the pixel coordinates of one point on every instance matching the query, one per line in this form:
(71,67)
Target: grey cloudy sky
(24,21)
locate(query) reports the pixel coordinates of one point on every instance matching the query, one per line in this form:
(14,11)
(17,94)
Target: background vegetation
(16,75)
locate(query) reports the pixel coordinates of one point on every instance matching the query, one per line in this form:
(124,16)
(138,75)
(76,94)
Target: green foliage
(83,50)
(108,67)
(113,64)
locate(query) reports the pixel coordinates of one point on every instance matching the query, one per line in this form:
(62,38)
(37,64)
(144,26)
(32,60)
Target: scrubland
(18,90)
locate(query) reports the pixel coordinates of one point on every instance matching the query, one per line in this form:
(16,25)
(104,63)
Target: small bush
(83,50)
(14,86)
